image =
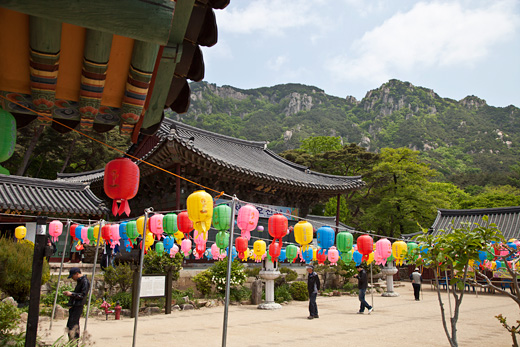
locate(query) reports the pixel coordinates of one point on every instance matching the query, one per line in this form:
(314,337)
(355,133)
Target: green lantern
(170,224)
(8,138)
(159,248)
(346,257)
(222,239)
(221,217)
(344,241)
(390,259)
(131,231)
(90,235)
(291,252)
(411,246)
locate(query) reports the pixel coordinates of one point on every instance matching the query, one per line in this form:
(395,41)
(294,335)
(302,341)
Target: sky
(349,47)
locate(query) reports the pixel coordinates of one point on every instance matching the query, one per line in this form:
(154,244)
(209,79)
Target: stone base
(390,294)
(269,306)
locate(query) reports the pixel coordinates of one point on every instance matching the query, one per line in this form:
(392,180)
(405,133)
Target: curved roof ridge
(42,182)
(176,125)
(479,211)
(285,161)
(76,174)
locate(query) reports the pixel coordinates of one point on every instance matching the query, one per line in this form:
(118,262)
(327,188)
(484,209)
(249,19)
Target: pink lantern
(333,255)
(186,247)
(215,251)
(156,225)
(383,251)
(247,220)
(84,235)
(174,250)
(55,230)
(114,235)
(200,248)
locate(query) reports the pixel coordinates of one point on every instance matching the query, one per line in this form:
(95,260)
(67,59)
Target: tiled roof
(84,177)
(319,221)
(47,196)
(507,219)
(252,158)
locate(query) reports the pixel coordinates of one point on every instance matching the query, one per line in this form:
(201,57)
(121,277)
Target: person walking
(76,301)
(362,285)
(416,283)
(313,285)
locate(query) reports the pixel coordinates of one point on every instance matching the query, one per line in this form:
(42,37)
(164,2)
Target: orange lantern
(121,183)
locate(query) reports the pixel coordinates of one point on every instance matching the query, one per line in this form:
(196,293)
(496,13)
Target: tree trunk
(69,154)
(32,145)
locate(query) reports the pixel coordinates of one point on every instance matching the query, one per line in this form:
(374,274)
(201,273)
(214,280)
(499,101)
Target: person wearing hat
(416,283)
(362,285)
(313,285)
(76,301)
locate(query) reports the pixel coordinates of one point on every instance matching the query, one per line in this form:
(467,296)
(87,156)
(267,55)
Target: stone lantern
(389,271)
(269,273)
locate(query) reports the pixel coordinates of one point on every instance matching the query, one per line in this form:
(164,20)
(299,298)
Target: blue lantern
(325,237)
(283,255)
(307,255)
(357,257)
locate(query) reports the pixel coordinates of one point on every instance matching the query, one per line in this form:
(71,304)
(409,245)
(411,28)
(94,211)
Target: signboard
(152,286)
(265,211)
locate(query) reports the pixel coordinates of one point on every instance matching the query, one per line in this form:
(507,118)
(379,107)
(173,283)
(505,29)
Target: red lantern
(121,183)
(321,256)
(72,231)
(105,233)
(184,223)
(278,226)
(241,246)
(365,246)
(275,249)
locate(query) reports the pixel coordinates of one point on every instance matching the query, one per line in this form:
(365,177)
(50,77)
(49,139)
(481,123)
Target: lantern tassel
(124,207)
(114,207)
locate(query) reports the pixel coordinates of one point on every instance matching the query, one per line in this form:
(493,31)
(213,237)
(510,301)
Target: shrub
(282,294)
(48,299)
(298,291)
(9,318)
(125,299)
(179,295)
(219,272)
(154,263)
(252,271)
(121,275)
(203,282)
(240,294)
(290,275)
(16,268)
(348,286)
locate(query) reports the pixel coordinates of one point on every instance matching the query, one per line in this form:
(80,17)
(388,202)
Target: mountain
(462,139)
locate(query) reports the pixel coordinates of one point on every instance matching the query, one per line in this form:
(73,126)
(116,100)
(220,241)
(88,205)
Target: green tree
(319,144)
(493,196)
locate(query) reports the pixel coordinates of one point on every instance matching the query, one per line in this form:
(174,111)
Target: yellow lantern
(96,232)
(179,235)
(140,225)
(20,232)
(370,258)
(148,241)
(303,233)
(314,254)
(200,210)
(399,250)
(259,249)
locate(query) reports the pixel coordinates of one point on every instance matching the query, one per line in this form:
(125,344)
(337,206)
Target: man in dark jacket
(313,285)
(76,301)
(362,285)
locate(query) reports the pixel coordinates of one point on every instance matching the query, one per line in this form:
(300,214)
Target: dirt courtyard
(397,321)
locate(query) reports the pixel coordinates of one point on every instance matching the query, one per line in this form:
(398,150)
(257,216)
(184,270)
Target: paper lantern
(20,232)
(370,258)
(200,210)
(357,257)
(247,220)
(105,233)
(77,233)
(55,230)
(346,257)
(383,251)
(127,244)
(148,242)
(482,255)
(222,240)
(186,247)
(184,223)
(90,235)
(122,231)
(291,252)
(8,138)
(170,224)
(314,254)
(399,250)
(307,255)
(156,225)
(200,245)
(283,255)
(365,245)
(215,251)
(277,226)
(131,231)
(274,250)
(241,246)
(140,225)
(321,256)
(84,235)
(114,235)
(121,183)
(498,264)
(333,255)
(168,243)
(411,246)
(221,217)
(344,241)
(159,248)
(260,228)
(303,234)
(259,249)
(72,231)
(174,250)
(325,237)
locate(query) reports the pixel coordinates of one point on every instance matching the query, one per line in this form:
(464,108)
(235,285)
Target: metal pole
(101,224)
(138,287)
(228,276)
(372,284)
(422,294)
(476,291)
(448,289)
(61,269)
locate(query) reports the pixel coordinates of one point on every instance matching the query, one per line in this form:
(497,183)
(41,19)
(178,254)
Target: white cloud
(430,35)
(271,17)
(277,63)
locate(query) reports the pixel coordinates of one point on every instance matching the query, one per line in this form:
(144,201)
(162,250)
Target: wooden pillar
(168,292)
(36,282)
